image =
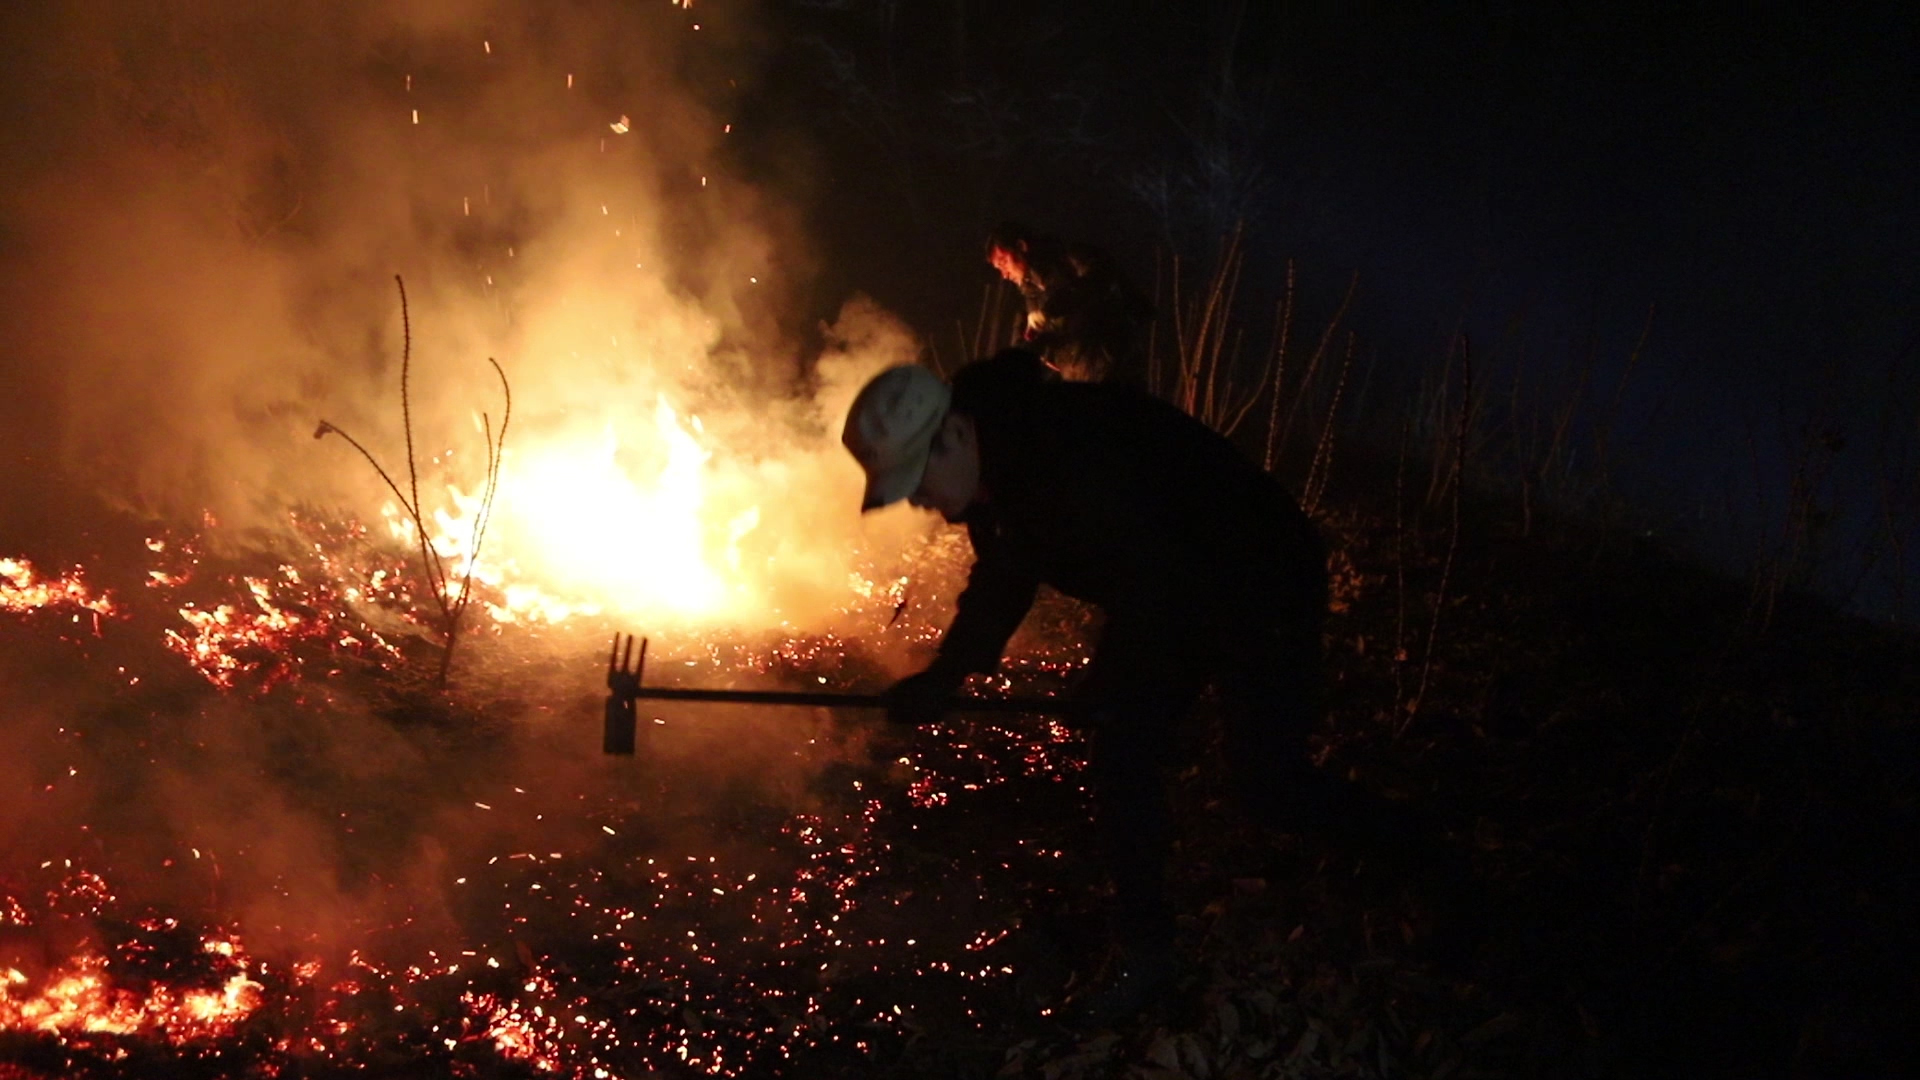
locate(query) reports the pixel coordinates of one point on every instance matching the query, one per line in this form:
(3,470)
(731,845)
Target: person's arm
(1034,291)
(1000,591)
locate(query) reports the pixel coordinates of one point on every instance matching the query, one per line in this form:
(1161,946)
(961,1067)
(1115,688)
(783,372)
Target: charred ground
(1686,829)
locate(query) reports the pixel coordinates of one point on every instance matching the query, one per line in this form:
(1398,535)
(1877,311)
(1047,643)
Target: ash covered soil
(1685,828)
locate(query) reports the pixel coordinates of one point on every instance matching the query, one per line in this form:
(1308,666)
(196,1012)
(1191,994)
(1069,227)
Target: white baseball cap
(890,429)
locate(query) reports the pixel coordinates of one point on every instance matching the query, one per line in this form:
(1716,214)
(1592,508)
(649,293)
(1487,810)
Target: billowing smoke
(204,209)
(213,201)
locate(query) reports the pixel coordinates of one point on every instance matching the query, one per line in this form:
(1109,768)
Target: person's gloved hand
(923,697)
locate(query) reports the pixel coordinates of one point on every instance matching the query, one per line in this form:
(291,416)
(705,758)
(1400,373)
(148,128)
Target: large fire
(22,588)
(79,998)
(580,533)
(671,470)
(592,955)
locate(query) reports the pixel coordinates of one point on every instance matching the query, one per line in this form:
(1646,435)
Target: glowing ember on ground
(80,998)
(228,640)
(606,951)
(266,626)
(111,990)
(24,589)
(608,962)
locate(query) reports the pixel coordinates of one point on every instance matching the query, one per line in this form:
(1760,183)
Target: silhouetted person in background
(1083,316)
(1205,567)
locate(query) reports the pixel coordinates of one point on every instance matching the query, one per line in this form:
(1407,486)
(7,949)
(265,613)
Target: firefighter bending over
(1083,316)
(1206,569)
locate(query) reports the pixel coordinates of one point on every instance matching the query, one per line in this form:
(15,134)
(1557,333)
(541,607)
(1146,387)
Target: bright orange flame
(581,529)
(21,589)
(521,1032)
(79,998)
(222,636)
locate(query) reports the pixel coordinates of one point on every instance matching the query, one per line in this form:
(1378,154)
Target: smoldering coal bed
(257,840)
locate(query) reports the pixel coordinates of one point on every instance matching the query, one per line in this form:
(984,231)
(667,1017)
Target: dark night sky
(1747,171)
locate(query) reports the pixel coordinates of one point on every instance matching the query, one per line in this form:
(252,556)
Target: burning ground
(256,841)
(243,833)
(306,861)
(243,830)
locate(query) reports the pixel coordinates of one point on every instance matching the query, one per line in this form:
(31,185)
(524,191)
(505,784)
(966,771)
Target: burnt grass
(1680,837)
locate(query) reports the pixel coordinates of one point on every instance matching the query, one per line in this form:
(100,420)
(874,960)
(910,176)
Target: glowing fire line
(579,533)
(22,589)
(80,998)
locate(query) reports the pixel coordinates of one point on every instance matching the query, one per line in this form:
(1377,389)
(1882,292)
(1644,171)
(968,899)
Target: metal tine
(640,670)
(613,654)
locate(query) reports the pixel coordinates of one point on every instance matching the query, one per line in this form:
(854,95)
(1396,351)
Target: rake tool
(624,691)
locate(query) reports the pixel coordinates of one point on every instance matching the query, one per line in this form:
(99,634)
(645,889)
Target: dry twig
(451,600)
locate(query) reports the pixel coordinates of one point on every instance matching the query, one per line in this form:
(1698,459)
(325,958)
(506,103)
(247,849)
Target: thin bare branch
(1278,364)
(1453,539)
(1319,350)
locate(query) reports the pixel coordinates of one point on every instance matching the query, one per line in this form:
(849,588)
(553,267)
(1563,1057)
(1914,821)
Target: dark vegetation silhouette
(451,600)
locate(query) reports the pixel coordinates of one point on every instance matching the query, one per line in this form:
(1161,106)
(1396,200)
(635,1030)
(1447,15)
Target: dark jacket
(1119,499)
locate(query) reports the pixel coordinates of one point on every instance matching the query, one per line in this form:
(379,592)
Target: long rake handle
(829,700)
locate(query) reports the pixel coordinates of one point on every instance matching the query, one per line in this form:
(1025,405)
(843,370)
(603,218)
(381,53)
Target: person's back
(1099,474)
(1119,499)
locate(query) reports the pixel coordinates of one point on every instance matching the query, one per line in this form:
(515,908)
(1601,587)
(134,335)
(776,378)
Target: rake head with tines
(623,692)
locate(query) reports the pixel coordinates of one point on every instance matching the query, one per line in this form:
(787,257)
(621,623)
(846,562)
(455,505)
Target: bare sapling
(1458,482)
(1792,562)
(1200,334)
(451,598)
(1313,365)
(1603,431)
(1895,513)
(1400,569)
(1881,551)
(1278,364)
(1556,466)
(1317,472)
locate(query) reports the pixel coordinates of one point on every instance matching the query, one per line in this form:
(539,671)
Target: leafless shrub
(451,600)
(1464,424)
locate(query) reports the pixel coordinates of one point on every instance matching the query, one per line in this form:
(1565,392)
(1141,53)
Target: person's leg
(1125,750)
(1126,747)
